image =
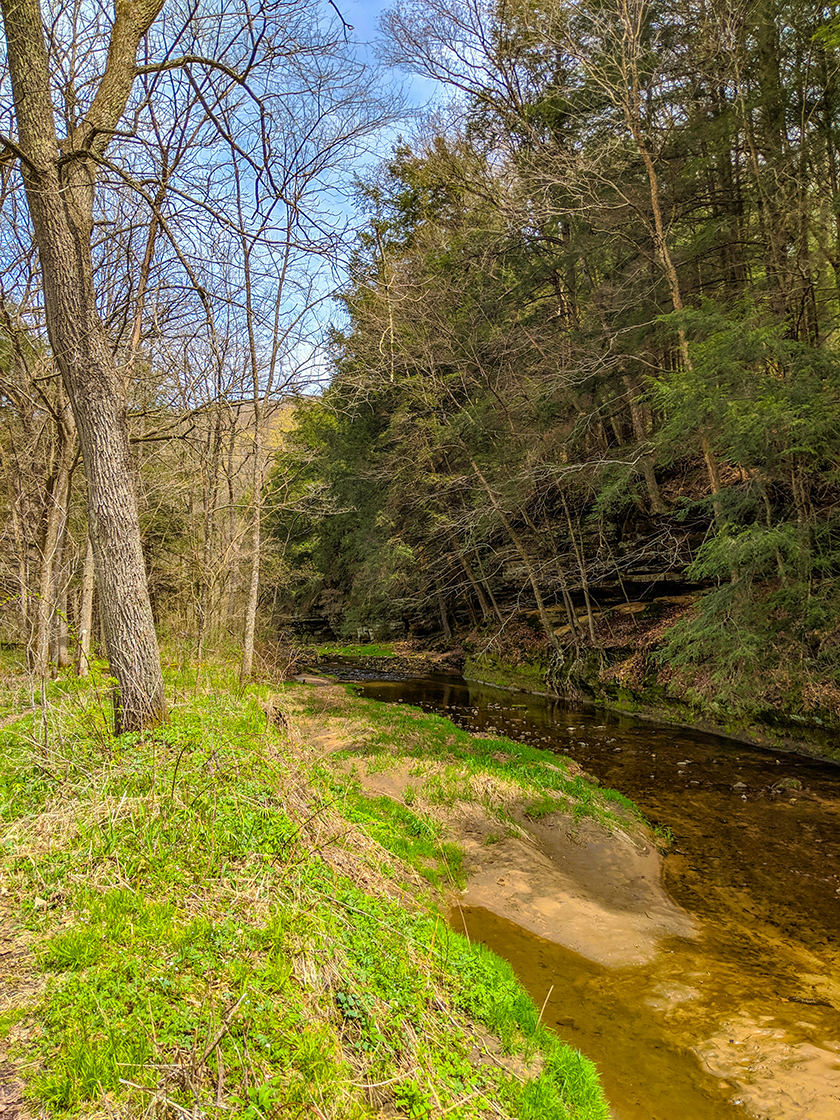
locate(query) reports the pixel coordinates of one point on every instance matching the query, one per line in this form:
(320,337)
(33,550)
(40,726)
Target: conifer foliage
(590,339)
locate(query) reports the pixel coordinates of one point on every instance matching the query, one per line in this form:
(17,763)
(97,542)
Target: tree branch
(132,19)
(190,60)
(14,149)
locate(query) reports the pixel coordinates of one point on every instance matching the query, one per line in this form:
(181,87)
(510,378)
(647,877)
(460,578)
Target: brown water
(744,1019)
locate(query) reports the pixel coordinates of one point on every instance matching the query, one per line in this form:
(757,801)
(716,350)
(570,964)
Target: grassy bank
(372,649)
(214,918)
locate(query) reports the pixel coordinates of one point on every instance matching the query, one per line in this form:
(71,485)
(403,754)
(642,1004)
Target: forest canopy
(589,351)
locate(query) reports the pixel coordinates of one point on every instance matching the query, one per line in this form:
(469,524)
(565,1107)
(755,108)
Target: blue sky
(364,16)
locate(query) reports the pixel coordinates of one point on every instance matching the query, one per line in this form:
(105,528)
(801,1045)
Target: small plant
(262,1102)
(413,1101)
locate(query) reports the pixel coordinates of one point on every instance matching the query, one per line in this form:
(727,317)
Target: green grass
(543,777)
(376,649)
(415,839)
(215,913)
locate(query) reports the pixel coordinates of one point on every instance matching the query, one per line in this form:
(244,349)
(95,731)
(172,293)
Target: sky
(363,14)
(364,17)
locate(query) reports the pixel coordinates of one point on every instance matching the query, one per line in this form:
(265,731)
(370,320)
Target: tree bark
(59,180)
(86,612)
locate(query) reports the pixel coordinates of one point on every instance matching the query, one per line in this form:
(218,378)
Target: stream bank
(744,1006)
(617,678)
(204,920)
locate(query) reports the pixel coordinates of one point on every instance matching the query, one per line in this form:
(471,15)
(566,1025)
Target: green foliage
(764,401)
(516,400)
(541,776)
(770,405)
(189,932)
(376,649)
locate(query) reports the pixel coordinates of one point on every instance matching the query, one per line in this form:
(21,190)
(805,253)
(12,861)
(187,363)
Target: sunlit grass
(227,925)
(375,649)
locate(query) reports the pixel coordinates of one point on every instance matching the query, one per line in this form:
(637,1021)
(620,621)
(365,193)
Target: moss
(490,668)
(631,681)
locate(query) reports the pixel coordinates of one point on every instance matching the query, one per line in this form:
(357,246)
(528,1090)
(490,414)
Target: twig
(222,1031)
(545,1001)
(379,1084)
(458,1104)
(220,1077)
(159,1096)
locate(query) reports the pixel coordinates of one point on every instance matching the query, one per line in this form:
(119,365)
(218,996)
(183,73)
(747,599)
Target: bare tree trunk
(444,620)
(486,582)
(61,584)
(639,430)
(56,519)
(584,581)
(59,181)
(548,629)
(632,15)
(86,611)
(247,664)
(209,542)
(483,604)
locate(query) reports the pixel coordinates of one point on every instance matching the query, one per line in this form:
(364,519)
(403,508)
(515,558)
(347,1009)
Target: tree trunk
(486,582)
(584,582)
(59,183)
(86,612)
(247,665)
(484,605)
(61,588)
(548,629)
(444,619)
(252,603)
(56,518)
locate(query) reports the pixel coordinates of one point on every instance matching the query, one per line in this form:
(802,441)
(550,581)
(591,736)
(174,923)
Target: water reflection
(756,855)
(759,827)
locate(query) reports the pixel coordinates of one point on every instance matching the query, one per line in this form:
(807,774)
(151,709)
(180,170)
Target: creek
(741,1020)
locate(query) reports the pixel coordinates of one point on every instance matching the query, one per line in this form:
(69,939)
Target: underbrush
(227,928)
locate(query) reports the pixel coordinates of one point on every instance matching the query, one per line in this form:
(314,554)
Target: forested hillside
(590,352)
(583,370)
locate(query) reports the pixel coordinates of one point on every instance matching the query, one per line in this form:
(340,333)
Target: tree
(184,80)
(59,176)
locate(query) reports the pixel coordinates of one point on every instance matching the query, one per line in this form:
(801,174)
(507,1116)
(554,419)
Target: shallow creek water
(742,1020)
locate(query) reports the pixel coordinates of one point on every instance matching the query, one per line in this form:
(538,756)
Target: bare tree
(59,177)
(203,74)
